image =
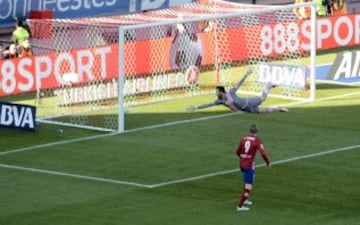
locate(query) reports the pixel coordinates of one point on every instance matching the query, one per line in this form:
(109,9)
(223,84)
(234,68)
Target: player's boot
(284,109)
(248,203)
(241,209)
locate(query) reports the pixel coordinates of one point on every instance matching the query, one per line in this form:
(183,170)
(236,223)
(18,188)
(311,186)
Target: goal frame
(124,28)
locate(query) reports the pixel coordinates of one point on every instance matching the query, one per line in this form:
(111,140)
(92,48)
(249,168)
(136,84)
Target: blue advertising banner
(17,116)
(344,70)
(12,9)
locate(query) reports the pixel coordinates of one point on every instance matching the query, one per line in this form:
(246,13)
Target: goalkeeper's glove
(191,108)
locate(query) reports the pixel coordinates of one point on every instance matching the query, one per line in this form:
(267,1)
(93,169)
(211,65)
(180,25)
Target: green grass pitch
(186,173)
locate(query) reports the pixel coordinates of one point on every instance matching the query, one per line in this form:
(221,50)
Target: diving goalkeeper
(236,103)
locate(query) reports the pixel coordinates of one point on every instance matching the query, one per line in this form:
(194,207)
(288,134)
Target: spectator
(2,52)
(20,33)
(211,26)
(303,12)
(24,49)
(339,8)
(321,7)
(11,52)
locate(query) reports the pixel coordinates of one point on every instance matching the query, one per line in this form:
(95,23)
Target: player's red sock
(244,196)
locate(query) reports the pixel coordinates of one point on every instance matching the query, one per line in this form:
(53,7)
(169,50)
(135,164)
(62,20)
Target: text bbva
(17,116)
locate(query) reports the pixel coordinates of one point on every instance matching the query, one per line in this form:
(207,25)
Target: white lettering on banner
(151,4)
(14,8)
(109,91)
(337,29)
(57,67)
(49,2)
(26,74)
(306,31)
(39,73)
(60,6)
(5,4)
(287,76)
(10,115)
(8,81)
(103,52)
(326,30)
(90,93)
(157,83)
(80,63)
(75,5)
(86,68)
(342,30)
(18,9)
(155,4)
(173,3)
(349,66)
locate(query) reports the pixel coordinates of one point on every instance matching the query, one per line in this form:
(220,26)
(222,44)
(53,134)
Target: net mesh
(168,61)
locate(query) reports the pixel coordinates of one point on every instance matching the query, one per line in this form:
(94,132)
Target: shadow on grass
(320,86)
(325,115)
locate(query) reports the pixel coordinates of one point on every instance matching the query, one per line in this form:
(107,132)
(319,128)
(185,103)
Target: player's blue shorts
(249,175)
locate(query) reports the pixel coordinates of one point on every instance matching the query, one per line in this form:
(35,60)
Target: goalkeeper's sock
(244,197)
(273,109)
(268,110)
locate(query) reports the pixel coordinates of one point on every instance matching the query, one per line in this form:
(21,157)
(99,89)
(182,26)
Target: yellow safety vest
(321,9)
(20,34)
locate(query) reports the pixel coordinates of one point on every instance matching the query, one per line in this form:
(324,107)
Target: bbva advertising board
(17,116)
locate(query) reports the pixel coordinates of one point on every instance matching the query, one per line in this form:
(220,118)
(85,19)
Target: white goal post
(217,49)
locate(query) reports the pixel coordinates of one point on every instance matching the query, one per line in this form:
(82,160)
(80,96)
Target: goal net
(103,67)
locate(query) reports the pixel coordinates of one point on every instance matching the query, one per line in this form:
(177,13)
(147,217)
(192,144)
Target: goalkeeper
(235,103)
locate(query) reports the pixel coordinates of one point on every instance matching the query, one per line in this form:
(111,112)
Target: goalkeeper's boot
(270,85)
(241,209)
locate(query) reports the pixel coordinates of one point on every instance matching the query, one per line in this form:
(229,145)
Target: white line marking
(260,165)
(338,96)
(99,179)
(54,144)
(189,179)
(41,146)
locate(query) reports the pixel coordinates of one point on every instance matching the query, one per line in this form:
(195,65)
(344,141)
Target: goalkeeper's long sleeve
(203,106)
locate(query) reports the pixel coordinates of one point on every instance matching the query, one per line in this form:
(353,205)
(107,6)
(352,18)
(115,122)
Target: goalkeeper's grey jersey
(236,103)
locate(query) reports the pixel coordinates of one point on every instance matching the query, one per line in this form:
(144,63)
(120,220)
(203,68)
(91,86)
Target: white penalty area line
(77,176)
(41,146)
(93,137)
(177,181)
